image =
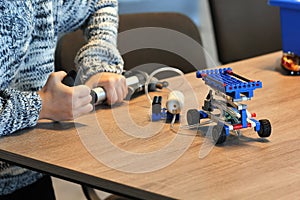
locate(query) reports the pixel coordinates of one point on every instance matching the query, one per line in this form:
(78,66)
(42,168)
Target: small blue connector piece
(257,124)
(203,115)
(159,113)
(170,116)
(156,108)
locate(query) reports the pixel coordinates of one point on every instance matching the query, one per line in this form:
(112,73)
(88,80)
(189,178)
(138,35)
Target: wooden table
(245,167)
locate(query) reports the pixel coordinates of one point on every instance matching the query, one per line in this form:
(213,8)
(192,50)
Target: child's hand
(113,84)
(60,102)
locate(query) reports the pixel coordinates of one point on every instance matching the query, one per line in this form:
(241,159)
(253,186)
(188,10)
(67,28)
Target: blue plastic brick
(223,81)
(244,118)
(203,115)
(257,127)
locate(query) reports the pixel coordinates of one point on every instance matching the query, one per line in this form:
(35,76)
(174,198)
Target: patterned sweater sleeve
(18,110)
(100,54)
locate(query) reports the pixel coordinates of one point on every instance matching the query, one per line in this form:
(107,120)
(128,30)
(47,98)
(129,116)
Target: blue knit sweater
(29,31)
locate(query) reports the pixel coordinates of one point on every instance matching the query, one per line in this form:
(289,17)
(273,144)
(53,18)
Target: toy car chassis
(233,115)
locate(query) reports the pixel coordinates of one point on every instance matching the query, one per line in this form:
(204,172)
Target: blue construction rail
(228,82)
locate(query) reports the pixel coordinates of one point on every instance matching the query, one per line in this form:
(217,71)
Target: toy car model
(231,89)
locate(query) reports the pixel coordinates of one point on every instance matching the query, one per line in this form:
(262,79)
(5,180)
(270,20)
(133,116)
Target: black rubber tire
(265,128)
(193,116)
(219,134)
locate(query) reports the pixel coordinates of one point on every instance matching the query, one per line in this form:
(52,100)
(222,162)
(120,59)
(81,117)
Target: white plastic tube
(163,69)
